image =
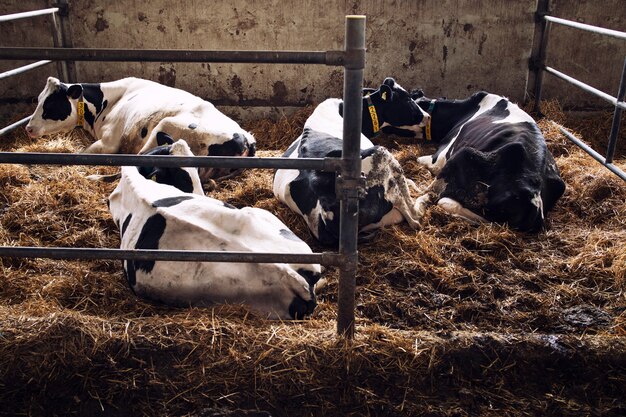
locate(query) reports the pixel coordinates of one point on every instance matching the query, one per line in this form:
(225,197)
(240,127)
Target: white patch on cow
(416,129)
(326,118)
(516,115)
(201,223)
(455,208)
(427,161)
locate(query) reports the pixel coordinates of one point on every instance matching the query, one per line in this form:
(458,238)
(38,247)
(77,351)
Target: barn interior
(454,319)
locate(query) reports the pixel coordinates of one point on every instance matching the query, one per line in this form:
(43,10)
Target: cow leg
(455,208)
(432,163)
(99,147)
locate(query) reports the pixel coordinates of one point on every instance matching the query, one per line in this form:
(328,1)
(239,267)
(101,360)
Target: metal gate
(538,66)
(348,167)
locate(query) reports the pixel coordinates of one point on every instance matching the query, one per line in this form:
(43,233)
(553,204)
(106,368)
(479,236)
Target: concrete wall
(447,47)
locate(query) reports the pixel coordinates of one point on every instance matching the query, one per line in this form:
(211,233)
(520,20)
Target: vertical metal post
(351,171)
(57,38)
(63,38)
(538,60)
(617,118)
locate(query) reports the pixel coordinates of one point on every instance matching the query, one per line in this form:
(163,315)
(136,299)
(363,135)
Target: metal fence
(538,66)
(348,167)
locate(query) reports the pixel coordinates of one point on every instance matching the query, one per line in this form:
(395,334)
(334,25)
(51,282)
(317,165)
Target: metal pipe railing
(538,66)
(595,155)
(586,87)
(326,258)
(22,69)
(13,126)
(24,15)
(334,58)
(589,28)
(320,164)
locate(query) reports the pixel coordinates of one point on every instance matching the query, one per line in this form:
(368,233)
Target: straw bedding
(452,320)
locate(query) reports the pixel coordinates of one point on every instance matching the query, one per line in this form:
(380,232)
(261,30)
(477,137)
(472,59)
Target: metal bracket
(350,187)
(64,7)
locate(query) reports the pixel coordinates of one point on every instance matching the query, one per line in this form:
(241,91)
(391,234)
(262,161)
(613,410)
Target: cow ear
(368,91)
(386,93)
(75,91)
(389,82)
(512,154)
(53,81)
(164,139)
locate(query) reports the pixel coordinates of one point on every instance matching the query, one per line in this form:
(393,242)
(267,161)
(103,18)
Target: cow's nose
(29,130)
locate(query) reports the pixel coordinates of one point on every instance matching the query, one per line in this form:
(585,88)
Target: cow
(164,208)
(125,116)
(491,164)
(386,199)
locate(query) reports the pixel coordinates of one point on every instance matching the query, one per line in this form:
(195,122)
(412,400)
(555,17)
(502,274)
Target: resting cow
(491,164)
(153,215)
(125,116)
(312,193)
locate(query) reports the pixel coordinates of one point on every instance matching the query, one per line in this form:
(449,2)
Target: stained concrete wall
(447,47)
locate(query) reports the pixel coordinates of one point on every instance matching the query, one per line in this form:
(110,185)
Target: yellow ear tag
(80,110)
(153,178)
(384,96)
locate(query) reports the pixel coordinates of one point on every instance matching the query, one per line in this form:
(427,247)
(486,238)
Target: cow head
(397,113)
(502,186)
(56,109)
(185,179)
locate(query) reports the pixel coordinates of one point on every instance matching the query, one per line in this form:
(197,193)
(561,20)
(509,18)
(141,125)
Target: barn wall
(447,47)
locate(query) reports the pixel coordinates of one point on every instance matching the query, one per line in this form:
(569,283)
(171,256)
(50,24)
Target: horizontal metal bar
(15,125)
(15,16)
(23,69)
(588,28)
(320,164)
(595,155)
(586,87)
(336,58)
(324,258)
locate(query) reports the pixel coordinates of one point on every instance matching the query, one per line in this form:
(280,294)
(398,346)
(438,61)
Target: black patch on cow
(192,126)
(373,207)
(299,308)
(176,177)
(288,234)
(56,106)
(311,277)
(171,201)
(230,206)
(234,147)
(251,149)
(94,95)
(126,223)
(149,237)
(144,132)
(164,139)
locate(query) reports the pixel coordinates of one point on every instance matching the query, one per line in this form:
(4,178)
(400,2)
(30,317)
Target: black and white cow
(151,214)
(124,116)
(491,164)
(312,193)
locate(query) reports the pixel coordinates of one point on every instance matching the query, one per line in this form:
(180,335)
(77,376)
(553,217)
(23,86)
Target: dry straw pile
(452,320)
